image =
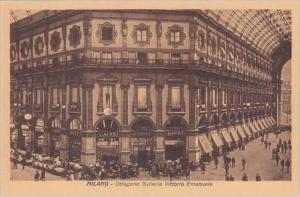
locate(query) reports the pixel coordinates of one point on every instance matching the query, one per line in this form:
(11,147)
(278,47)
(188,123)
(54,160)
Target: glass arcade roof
(262,29)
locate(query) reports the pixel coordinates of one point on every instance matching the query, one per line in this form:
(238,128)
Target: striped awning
(255,124)
(234,134)
(216,138)
(247,129)
(226,135)
(251,125)
(240,131)
(205,144)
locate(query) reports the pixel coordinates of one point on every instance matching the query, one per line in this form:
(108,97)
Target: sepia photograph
(131,97)
(150,94)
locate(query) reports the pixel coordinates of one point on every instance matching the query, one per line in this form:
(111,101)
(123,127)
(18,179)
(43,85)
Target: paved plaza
(257,157)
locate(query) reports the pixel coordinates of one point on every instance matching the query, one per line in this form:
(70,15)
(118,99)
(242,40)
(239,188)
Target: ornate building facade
(286,110)
(135,85)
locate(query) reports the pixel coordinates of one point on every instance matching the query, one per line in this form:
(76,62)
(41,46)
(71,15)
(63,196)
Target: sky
(286,72)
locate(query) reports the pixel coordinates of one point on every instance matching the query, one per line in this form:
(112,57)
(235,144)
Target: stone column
(125,88)
(193,148)
(64,147)
(159,149)
(87,104)
(124,145)
(46,145)
(88,147)
(124,31)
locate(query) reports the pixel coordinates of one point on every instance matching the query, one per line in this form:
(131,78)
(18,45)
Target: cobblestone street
(257,157)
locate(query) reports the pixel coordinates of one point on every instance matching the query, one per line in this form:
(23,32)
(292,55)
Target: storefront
(142,141)
(107,139)
(175,139)
(55,139)
(217,143)
(75,140)
(39,136)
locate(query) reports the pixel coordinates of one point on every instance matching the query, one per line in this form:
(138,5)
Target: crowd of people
(176,169)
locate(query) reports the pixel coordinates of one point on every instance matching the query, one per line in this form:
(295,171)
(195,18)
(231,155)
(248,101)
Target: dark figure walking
(258,178)
(269,144)
(43,175)
(287,164)
(226,168)
(37,176)
(233,162)
(15,163)
(277,160)
(285,147)
(281,147)
(23,163)
(216,161)
(282,164)
(266,144)
(227,178)
(245,178)
(273,153)
(231,178)
(243,164)
(229,161)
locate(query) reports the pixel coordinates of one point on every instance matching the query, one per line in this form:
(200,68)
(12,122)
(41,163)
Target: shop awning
(247,129)
(226,135)
(261,125)
(273,120)
(251,125)
(205,144)
(255,124)
(264,123)
(234,134)
(268,122)
(216,138)
(240,131)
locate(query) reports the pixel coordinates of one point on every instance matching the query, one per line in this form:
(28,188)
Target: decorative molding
(39,45)
(55,41)
(74,36)
(24,49)
(141,26)
(99,33)
(182,36)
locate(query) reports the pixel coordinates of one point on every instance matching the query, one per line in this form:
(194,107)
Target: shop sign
(175,133)
(107,134)
(142,134)
(75,133)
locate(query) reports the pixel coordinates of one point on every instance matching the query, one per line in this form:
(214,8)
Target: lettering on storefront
(141,134)
(171,133)
(107,134)
(75,133)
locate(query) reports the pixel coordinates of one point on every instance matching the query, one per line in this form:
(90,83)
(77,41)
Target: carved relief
(222,49)
(13,52)
(158,29)
(24,49)
(106,33)
(39,45)
(175,36)
(74,36)
(230,53)
(141,34)
(211,43)
(124,27)
(55,41)
(193,30)
(201,39)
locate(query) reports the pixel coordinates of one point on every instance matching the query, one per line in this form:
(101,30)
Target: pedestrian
(229,161)
(277,148)
(289,142)
(245,178)
(226,168)
(266,144)
(285,147)
(203,168)
(281,148)
(262,139)
(277,159)
(216,161)
(269,144)
(23,163)
(231,178)
(280,141)
(290,147)
(37,176)
(233,162)
(282,164)
(227,178)
(187,174)
(273,153)
(243,164)
(287,164)
(258,178)
(43,175)
(15,163)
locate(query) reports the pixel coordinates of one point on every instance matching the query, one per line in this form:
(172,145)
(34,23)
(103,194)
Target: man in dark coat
(277,159)
(243,164)
(258,178)
(245,178)
(287,164)
(282,164)
(233,162)
(216,161)
(37,176)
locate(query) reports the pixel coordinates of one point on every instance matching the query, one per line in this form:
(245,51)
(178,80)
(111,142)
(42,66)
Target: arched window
(75,124)
(142,125)
(107,124)
(56,123)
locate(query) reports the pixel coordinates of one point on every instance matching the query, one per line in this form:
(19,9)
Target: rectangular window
(24,97)
(142,58)
(175,36)
(175,58)
(107,57)
(224,99)
(214,97)
(141,35)
(55,96)
(38,96)
(74,97)
(175,97)
(142,97)
(107,33)
(203,96)
(107,96)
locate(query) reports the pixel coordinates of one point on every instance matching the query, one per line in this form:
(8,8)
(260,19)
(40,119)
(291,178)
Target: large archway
(142,140)
(55,130)
(107,138)
(75,143)
(175,140)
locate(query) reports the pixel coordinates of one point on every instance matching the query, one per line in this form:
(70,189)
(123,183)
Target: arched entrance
(175,140)
(142,140)
(55,140)
(39,136)
(75,129)
(107,139)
